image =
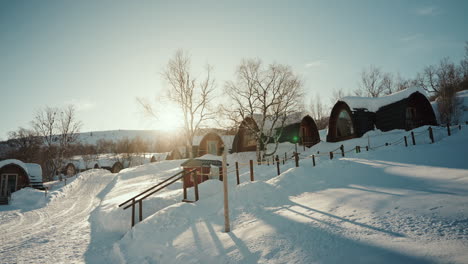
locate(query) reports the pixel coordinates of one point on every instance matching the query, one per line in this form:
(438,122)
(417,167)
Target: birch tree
(267,94)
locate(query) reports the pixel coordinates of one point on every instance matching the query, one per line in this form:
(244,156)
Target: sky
(102,55)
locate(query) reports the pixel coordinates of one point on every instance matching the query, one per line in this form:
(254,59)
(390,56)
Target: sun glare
(170,119)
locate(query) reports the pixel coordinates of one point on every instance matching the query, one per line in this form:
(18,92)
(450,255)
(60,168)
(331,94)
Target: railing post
(277,164)
(296,158)
(195,184)
(342,150)
(133,212)
(141,210)
(331,154)
(412,137)
(184,184)
(448,129)
(431,135)
(406,142)
(313,160)
(237,173)
(251,171)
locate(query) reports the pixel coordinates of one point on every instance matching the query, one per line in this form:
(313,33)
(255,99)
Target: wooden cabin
(352,117)
(298,128)
(203,166)
(15,175)
(212,143)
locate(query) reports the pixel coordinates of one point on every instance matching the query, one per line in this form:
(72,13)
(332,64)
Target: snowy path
(57,233)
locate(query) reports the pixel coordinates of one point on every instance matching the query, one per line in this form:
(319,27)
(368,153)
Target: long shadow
(316,245)
(351,221)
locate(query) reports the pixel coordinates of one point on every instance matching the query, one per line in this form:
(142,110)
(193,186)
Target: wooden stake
(140,210)
(227,226)
(331,155)
(195,184)
(431,135)
(313,160)
(237,173)
(412,137)
(406,142)
(448,130)
(342,150)
(251,171)
(296,158)
(277,164)
(133,212)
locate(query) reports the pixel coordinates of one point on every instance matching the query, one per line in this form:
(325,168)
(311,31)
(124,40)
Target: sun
(170,118)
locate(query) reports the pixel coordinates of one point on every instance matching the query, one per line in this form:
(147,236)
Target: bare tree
(387,83)
(58,129)
(269,95)
(318,112)
(191,94)
(25,144)
(373,82)
(337,95)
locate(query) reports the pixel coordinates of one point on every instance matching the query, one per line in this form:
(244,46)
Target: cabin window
(344,124)
(212,147)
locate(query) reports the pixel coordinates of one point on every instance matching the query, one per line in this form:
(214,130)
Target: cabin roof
(373,104)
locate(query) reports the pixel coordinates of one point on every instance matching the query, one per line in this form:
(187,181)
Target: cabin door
(8,183)
(212,147)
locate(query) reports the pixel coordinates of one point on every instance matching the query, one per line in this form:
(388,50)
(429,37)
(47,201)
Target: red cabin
(203,167)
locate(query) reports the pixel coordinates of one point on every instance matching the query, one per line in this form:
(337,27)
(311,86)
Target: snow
(373,104)
(15,162)
(392,204)
(33,170)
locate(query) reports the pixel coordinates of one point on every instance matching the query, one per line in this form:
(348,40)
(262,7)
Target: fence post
(367,148)
(459,127)
(331,155)
(133,212)
(251,171)
(237,173)
(284,161)
(342,150)
(195,182)
(277,164)
(431,135)
(268,161)
(285,156)
(184,185)
(356,149)
(313,160)
(141,210)
(296,157)
(406,142)
(412,137)
(448,129)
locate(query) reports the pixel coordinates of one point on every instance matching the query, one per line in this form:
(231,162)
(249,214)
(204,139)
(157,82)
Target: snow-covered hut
(353,116)
(212,143)
(15,175)
(298,128)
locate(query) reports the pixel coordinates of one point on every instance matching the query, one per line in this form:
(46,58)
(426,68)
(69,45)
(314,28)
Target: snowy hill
(116,135)
(391,204)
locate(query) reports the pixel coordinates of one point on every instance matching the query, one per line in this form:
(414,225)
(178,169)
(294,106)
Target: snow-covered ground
(392,204)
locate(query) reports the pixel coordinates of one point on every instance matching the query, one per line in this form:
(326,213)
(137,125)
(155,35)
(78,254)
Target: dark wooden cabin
(298,129)
(13,177)
(353,117)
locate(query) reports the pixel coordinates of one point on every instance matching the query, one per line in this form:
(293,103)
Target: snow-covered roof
(33,170)
(291,119)
(16,162)
(373,104)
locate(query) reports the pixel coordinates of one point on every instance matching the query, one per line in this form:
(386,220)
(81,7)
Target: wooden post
(357,150)
(296,158)
(313,160)
(285,156)
(342,150)
(268,162)
(284,161)
(406,142)
(195,184)
(133,212)
(412,137)
(277,164)
(331,155)
(251,171)
(184,184)
(448,130)
(386,144)
(459,127)
(237,173)
(431,135)
(141,210)
(227,225)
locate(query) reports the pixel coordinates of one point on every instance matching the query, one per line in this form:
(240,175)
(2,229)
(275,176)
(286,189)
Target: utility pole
(227,226)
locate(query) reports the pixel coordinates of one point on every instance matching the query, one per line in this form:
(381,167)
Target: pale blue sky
(100,55)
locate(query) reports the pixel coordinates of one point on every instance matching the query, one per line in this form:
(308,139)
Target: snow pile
(373,104)
(28,199)
(394,204)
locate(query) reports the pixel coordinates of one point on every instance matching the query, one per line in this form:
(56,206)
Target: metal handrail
(160,183)
(135,201)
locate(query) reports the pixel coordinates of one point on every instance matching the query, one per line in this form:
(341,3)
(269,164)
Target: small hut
(298,128)
(353,116)
(15,175)
(212,143)
(203,166)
